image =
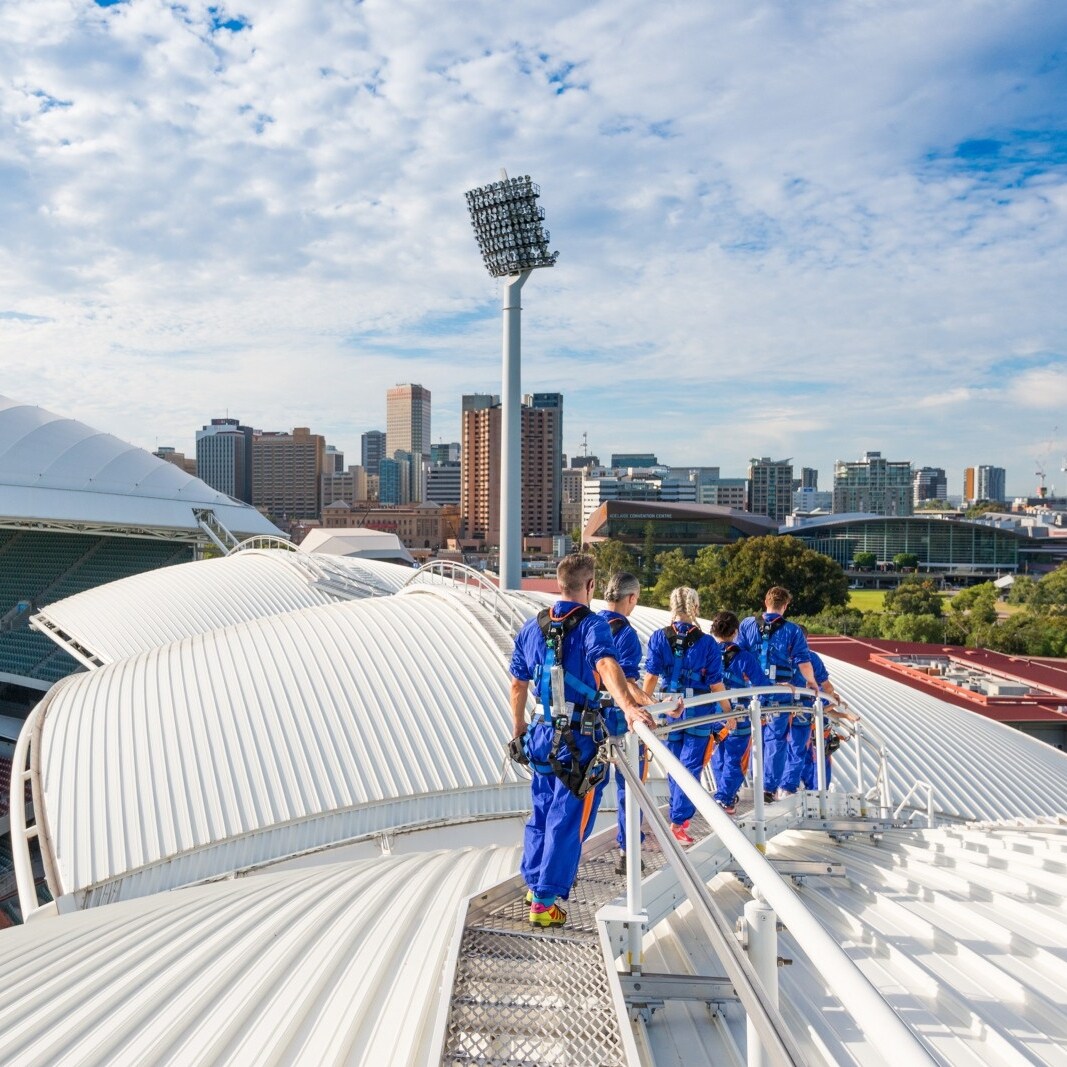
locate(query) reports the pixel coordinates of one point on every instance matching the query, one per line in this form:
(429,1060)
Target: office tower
(179,459)
(372,449)
(625,460)
(287,471)
(407,428)
(480,469)
(443,482)
(445,452)
(929,483)
(770,487)
(335,460)
(346,487)
(809,478)
(873,484)
(552,402)
(224,457)
(990,483)
(571,498)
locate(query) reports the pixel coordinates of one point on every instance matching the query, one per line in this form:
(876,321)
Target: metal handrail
(843,977)
(264,541)
(473,583)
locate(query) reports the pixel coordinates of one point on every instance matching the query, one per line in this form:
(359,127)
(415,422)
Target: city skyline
(760,240)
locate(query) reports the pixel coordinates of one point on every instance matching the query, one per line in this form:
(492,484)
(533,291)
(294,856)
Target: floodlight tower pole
(507,227)
(510,565)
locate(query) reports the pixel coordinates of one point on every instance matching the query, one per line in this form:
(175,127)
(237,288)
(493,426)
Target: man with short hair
(621,595)
(561,743)
(782,650)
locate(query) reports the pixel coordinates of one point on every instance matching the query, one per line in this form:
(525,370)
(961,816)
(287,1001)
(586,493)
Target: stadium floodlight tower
(508,226)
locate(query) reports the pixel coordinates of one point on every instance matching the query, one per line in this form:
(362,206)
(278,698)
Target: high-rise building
(873,484)
(553,402)
(928,483)
(480,473)
(397,478)
(407,427)
(725,492)
(443,482)
(445,452)
(287,471)
(346,487)
(809,478)
(625,460)
(335,460)
(224,457)
(571,493)
(179,459)
(990,483)
(372,449)
(770,487)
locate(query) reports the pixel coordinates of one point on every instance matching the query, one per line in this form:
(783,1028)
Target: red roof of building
(1045,674)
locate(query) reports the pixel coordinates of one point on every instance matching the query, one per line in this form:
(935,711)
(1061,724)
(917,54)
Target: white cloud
(766,223)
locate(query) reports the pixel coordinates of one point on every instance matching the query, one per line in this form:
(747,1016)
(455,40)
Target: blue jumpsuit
(807,773)
(780,655)
(697,671)
(730,759)
(552,843)
(628,653)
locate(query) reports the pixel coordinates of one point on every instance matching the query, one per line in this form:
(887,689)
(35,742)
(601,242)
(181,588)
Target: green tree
(648,557)
(864,561)
(737,576)
(1023,591)
(906,561)
(611,556)
(929,629)
(674,569)
(980,507)
(833,621)
(1050,597)
(978,602)
(914,596)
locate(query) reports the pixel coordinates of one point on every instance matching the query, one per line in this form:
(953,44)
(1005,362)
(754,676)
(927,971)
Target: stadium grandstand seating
(45,566)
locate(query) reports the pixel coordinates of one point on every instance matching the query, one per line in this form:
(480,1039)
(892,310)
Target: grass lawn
(866,599)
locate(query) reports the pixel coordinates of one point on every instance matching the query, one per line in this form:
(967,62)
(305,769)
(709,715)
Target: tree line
(737,575)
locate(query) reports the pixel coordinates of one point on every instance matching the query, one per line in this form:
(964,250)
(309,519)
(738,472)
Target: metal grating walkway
(524,996)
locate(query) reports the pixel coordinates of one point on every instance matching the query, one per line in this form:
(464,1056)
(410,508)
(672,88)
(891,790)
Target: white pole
(762,931)
(757,773)
(634,904)
(510,564)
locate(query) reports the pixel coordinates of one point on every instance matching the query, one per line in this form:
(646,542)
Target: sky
(788,230)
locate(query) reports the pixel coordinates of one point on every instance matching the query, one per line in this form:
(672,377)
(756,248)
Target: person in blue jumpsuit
(741,670)
(621,595)
(842,712)
(782,651)
(553,836)
(688,662)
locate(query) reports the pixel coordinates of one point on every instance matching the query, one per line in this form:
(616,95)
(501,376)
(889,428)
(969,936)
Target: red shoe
(730,809)
(679,832)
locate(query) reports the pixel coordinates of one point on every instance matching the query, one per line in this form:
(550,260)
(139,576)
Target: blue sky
(803,230)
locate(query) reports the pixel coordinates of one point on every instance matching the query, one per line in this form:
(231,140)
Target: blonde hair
(574,571)
(685,604)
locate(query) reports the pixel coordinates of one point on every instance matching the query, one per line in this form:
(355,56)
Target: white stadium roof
(58,471)
(123,618)
(252,751)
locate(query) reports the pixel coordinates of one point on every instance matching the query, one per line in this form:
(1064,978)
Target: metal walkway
(525,996)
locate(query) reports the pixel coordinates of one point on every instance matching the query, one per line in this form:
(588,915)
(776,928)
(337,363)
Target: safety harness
(767,629)
(735,680)
(682,677)
(578,778)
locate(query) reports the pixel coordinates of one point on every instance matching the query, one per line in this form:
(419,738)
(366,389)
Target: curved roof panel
(159,607)
(282,734)
(336,964)
(59,469)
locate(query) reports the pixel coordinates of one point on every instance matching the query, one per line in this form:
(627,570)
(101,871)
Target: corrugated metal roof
(296,731)
(962,930)
(278,735)
(159,607)
(56,468)
(338,964)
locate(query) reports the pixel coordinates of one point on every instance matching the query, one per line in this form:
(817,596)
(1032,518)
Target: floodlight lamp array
(507,225)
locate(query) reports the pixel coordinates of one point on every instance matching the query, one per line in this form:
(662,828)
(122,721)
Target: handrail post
(761,935)
(883,774)
(634,904)
(820,755)
(757,774)
(859,769)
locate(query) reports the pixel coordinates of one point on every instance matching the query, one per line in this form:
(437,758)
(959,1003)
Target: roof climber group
(571,655)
